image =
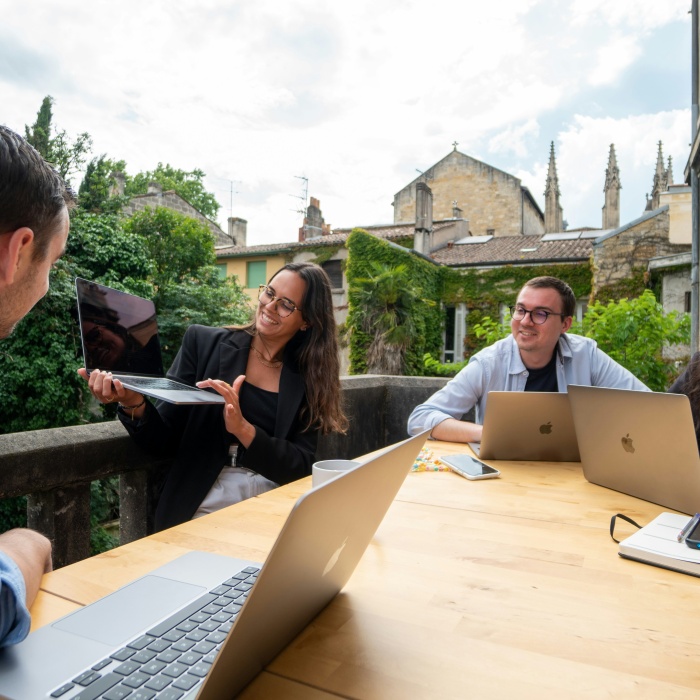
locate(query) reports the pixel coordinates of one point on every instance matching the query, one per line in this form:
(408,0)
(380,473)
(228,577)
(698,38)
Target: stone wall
(172,200)
(618,253)
(492,200)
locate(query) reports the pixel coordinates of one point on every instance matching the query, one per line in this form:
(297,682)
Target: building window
(334,272)
(221,269)
(687,302)
(455,331)
(256,274)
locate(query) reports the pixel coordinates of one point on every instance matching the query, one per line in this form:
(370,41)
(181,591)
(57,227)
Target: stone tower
(553,215)
(660,180)
(611,208)
(669,173)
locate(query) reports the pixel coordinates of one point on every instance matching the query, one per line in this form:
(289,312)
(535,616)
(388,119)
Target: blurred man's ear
(15,247)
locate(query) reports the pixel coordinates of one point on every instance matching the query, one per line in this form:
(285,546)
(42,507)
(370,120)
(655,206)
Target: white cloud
(356,96)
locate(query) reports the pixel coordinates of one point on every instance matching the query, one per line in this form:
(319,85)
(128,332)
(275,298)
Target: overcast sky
(358,96)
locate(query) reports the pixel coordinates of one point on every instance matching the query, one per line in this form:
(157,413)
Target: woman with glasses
(280,378)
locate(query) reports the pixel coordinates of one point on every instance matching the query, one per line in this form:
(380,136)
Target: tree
(177,244)
(66,155)
(188,185)
(635,332)
(95,193)
(384,300)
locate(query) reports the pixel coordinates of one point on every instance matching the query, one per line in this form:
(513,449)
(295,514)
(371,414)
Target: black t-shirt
(545,378)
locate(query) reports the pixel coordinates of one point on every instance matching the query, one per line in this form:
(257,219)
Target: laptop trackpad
(116,618)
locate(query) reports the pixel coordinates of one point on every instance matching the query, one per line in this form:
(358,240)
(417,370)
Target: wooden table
(501,588)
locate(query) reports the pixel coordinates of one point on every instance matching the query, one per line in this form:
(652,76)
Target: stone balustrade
(54,468)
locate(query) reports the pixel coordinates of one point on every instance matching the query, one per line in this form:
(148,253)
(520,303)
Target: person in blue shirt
(34,221)
(538,355)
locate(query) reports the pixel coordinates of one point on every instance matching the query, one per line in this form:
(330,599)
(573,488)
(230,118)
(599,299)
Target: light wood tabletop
(500,588)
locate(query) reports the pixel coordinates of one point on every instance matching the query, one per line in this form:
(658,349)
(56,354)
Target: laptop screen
(119,331)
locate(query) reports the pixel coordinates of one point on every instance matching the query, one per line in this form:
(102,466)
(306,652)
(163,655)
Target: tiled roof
(338,237)
(503,250)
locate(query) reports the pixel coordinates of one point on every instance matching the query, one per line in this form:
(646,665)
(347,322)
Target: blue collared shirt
(14,616)
(499,367)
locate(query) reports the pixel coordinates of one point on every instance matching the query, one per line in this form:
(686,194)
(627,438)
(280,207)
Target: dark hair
(32,193)
(317,349)
(568,298)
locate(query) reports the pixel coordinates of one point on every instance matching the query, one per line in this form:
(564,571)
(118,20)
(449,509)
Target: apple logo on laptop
(334,557)
(546,429)
(627,445)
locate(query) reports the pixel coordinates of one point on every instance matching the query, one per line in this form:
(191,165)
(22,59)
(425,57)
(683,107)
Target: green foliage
(425,315)
(385,300)
(434,368)
(627,288)
(207,300)
(95,193)
(634,333)
(66,155)
(13,513)
(177,244)
(188,185)
(39,387)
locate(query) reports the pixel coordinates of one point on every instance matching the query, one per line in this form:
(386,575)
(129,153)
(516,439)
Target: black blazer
(196,436)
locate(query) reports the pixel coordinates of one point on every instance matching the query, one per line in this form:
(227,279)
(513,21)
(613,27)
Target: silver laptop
(528,426)
(119,334)
(640,443)
(133,638)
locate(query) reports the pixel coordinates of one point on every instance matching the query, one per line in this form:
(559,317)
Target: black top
(259,406)
(545,378)
(195,436)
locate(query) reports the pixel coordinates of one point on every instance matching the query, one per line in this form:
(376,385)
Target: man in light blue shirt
(34,222)
(539,355)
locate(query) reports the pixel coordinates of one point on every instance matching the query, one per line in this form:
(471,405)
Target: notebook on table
(641,443)
(528,426)
(119,334)
(204,625)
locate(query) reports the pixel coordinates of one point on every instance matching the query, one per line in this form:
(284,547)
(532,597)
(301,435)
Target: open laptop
(317,550)
(528,426)
(119,333)
(641,443)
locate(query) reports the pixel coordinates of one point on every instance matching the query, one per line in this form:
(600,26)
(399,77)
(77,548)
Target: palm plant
(383,301)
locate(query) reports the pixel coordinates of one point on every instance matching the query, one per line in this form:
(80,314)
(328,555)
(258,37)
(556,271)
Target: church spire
(611,208)
(660,180)
(669,173)
(553,215)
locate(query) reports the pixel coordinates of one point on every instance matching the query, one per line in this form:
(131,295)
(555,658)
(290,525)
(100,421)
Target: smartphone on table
(469,467)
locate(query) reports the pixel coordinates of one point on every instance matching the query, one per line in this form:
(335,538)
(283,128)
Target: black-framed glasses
(284,307)
(537,316)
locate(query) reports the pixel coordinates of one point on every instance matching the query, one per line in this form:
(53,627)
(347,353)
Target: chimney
(237,231)
(118,183)
(422,237)
(155,188)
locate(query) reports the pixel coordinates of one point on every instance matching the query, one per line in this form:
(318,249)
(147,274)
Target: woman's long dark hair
(317,350)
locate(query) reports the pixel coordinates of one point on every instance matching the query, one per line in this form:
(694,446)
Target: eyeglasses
(283,306)
(537,316)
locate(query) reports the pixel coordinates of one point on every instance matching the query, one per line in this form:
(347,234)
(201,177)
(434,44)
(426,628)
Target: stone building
(155,197)
(493,201)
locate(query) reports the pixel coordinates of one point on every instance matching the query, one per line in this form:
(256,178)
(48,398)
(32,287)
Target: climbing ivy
(427,318)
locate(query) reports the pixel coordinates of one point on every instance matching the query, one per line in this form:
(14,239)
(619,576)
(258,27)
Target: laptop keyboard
(155,383)
(171,658)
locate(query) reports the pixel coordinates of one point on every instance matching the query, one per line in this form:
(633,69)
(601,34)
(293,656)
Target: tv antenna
(304,196)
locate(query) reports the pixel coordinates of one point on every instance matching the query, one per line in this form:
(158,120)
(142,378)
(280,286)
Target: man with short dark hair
(538,355)
(34,221)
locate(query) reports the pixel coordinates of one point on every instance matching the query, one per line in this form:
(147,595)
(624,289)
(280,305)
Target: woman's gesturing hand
(236,424)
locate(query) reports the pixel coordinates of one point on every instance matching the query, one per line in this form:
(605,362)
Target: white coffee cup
(327,469)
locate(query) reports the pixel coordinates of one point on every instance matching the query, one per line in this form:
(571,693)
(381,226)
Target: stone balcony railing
(54,468)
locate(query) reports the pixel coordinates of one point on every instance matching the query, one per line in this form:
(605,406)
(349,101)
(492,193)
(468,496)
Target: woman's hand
(106,389)
(236,424)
